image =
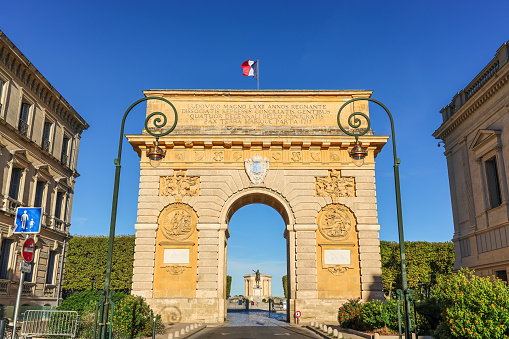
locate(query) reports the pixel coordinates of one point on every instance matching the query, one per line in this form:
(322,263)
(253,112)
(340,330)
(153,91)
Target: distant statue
(257,277)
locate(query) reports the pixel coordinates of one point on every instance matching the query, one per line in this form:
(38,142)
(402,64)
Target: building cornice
(470,107)
(38,85)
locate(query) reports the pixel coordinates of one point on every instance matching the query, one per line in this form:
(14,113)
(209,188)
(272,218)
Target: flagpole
(258,75)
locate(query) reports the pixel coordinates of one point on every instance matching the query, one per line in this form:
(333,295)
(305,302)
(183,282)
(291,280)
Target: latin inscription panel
(242,111)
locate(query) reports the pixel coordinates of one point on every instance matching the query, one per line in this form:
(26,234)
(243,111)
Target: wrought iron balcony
(23,127)
(28,289)
(63,159)
(46,144)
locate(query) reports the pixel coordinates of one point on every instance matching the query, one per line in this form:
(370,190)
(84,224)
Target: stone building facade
(234,148)
(476,140)
(257,291)
(39,141)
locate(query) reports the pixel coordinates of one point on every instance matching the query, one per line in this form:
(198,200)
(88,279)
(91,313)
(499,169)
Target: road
(255,324)
(255,332)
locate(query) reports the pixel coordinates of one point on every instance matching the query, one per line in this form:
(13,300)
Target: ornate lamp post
(358,153)
(155,155)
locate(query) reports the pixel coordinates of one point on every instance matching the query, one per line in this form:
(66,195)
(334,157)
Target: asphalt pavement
(255,323)
(255,332)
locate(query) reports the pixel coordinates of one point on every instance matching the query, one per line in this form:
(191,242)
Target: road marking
(282,333)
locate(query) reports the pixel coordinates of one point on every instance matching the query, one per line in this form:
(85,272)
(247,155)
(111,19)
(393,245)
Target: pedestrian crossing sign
(28,220)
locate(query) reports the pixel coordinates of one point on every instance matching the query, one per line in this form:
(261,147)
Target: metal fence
(47,322)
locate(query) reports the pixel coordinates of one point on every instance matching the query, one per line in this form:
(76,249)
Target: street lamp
(358,153)
(155,155)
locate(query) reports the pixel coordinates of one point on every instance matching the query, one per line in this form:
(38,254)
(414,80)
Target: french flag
(250,68)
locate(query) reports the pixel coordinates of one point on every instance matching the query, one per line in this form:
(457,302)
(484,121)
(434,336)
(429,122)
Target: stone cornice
(20,67)
(290,152)
(467,110)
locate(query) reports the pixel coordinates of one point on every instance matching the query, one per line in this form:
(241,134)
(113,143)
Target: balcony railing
(46,144)
(4,287)
(28,289)
(23,127)
(63,159)
(50,291)
(57,224)
(9,204)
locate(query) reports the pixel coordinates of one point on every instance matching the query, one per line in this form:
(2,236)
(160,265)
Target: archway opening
(256,225)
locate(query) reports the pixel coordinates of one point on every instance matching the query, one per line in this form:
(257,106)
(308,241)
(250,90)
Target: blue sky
(414,55)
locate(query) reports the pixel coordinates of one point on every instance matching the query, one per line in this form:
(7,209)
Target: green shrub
(82,302)
(349,313)
(373,315)
(133,318)
(472,307)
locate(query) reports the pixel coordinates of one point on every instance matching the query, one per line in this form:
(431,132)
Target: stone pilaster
(144,259)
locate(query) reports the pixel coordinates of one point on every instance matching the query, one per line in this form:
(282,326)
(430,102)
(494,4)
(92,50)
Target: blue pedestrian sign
(28,220)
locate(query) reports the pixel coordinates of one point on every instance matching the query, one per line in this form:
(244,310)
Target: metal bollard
(3,322)
(154,329)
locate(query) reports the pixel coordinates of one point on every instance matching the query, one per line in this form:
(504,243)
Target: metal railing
(49,322)
(4,287)
(63,159)
(28,289)
(23,127)
(46,144)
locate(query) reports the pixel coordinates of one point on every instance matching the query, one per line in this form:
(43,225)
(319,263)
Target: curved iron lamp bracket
(354,121)
(158,122)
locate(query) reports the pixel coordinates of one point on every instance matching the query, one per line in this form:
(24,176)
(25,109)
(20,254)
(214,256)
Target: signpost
(27,221)
(28,250)
(297,315)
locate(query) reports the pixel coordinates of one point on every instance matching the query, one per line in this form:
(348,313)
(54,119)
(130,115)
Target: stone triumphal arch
(233,148)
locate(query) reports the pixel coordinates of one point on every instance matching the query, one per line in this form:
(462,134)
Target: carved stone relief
(180,156)
(179,185)
(338,269)
(335,186)
(335,222)
(218,156)
(276,156)
(237,156)
(178,221)
(296,156)
(175,270)
(334,157)
(199,155)
(315,156)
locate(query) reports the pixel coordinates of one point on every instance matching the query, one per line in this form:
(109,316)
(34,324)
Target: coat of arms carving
(257,168)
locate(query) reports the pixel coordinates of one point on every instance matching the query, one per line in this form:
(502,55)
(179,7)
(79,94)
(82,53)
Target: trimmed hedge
(86,259)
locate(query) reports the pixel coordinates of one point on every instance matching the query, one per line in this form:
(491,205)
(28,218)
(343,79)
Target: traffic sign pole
(20,287)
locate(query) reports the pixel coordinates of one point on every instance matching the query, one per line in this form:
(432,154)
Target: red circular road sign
(28,250)
(297,314)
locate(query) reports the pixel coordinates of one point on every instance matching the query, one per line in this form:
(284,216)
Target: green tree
(228,286)
(285,285)
(426,261)
(86,260)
